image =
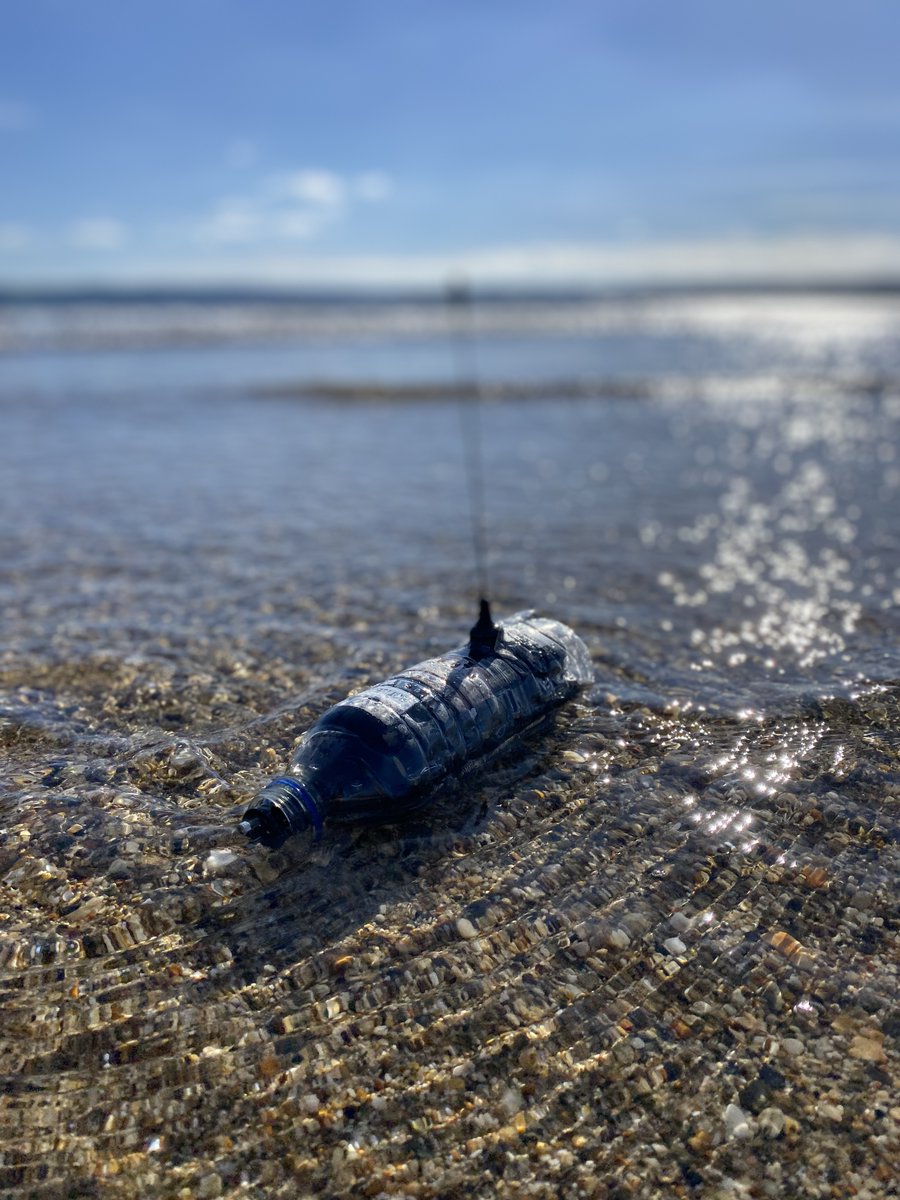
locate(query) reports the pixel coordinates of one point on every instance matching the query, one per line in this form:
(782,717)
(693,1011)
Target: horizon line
(250,290)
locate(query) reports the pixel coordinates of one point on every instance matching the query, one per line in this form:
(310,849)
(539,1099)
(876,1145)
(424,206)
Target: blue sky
(392,142)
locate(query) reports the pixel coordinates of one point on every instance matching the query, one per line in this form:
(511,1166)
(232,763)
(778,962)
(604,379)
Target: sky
(393,143)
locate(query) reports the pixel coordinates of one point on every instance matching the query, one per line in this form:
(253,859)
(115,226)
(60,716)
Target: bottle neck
(283,808)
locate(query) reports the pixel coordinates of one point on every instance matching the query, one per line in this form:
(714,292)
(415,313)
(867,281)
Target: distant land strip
(371,392)
(608,387)
(12,293)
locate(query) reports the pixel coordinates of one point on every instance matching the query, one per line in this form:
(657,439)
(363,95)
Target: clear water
(200,554)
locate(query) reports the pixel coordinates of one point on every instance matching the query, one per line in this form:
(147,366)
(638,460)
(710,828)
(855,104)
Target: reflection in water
(651,952)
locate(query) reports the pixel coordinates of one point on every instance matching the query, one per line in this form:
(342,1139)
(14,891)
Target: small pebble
(793,1046)
(753,1096)
(772,1121)
(466,929)
(209,1186)
(869,1049)
(771,1078)
(869,999)
(736,1122)
(675,945)
(772,997)
(219,860)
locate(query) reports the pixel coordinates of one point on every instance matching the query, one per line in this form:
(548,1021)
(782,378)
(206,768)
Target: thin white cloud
(15,114)
(291,206)
(13,237)
(321,189)
(232,221)
(97,233)
(255,219)
(299,224)
(374,186)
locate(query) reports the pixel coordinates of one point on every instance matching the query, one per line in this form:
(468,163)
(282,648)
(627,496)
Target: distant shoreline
(347,391)
(163,294)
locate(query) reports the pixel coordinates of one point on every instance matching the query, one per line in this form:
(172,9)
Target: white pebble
(772,1122)
(466,929)
(618,938)
(736,1123)
(793,1046)
(675,945)
(218,860)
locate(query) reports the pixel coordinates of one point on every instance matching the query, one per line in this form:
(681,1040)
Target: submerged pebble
(772,1121)
(219,860)
(737,1123)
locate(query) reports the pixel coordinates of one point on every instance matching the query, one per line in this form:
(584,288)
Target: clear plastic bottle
(379,754)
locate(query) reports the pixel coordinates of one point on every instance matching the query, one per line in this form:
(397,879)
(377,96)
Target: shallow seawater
(652,953)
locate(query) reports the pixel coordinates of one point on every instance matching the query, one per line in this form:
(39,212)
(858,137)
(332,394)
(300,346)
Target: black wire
(469,408)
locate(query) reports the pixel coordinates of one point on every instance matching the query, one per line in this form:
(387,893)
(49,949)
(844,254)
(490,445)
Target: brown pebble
(869,1049)
(784,943)
(700,1142)
(269,1066)
(814,877)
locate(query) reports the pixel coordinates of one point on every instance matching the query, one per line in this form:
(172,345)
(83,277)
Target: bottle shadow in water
(324,894)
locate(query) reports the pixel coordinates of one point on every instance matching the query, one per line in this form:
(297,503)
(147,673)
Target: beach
(652,954)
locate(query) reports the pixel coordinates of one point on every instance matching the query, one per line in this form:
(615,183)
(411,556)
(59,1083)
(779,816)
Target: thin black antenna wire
(469,409)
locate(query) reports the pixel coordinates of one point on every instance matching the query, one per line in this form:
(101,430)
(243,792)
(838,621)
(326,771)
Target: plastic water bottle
(379,754)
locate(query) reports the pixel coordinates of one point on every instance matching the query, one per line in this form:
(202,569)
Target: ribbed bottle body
(381,752)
